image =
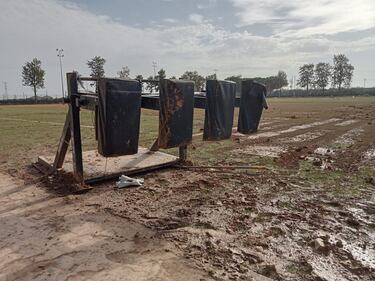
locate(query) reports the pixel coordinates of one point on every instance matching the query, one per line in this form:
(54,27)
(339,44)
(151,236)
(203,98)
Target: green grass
(22,139)
(338,183)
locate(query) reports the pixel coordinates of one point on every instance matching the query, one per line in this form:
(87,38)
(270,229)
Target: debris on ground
(125,181)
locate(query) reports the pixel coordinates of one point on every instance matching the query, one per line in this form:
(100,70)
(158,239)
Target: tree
(211,77)
(140,78)
(342,71)
(194,76)
(150,86)
(124,73)
(33,75)
(281,79)
(161,75)
(96,65)
(322,75)
(237,79)
(306,76)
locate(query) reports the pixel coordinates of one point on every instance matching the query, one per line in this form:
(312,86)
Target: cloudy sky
(248,37)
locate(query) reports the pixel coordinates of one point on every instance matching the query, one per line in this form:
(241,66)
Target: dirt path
(45,237)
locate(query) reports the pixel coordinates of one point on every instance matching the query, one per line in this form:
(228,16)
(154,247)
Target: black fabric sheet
(175,113)
(220,101)
(119,111)
(253,100)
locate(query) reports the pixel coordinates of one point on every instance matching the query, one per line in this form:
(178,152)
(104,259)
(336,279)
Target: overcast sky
(248,37)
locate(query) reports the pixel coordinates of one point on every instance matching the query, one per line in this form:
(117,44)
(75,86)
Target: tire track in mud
(292,129)
(324,135)
(269,124)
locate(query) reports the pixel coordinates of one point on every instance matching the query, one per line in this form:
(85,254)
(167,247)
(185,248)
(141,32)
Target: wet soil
(309,217)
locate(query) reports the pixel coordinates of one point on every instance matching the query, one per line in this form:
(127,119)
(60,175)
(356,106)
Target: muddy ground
(305,213)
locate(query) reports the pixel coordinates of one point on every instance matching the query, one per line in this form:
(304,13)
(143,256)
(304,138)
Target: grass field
(31,130)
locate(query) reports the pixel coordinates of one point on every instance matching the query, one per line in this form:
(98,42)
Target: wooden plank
(63,144)
(46,163)
(99,168)
(155,145)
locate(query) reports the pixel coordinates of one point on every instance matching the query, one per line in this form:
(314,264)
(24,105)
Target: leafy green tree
(96,65)
(281,79)
(161,75)
(342,73)
(322,75)
(33,75)
(197,78)
(306,76)
(124,73)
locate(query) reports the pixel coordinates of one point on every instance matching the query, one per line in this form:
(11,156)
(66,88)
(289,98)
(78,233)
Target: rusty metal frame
(72,131)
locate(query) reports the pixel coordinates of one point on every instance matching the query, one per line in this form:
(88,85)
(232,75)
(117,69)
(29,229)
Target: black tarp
(218,121)
(175,113)
(118,120)
(253,100)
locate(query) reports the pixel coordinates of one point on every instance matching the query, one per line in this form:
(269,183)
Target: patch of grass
(339,183)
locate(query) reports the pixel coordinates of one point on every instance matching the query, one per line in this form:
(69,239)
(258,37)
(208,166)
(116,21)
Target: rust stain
(173,102)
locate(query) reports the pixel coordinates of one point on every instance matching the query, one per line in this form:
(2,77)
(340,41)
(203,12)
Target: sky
(229,37)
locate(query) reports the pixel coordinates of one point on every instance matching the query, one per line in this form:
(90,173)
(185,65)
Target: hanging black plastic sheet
(220,102)
(253,100)
(175,113)
(119,111)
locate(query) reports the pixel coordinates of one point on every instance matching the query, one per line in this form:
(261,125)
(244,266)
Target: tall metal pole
(5,91)
(215,71)
(61,55)
(154,67)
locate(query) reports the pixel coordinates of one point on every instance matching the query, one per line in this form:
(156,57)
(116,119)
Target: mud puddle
(349,138)
(303,137)
(369,155)
(293,129)
(263,151)
(346,123)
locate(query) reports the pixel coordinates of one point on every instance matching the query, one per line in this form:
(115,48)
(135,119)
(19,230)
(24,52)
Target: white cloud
(196,18)
(170,20)
(35,28)
(305,18)
(206,4)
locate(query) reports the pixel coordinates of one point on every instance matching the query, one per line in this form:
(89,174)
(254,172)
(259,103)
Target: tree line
(96,65)
(310,76)
(340,74)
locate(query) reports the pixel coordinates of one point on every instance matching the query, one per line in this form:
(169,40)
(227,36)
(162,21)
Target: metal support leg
(75,126)
(182,152)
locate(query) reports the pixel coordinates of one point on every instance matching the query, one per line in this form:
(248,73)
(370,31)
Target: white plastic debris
(125,181)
